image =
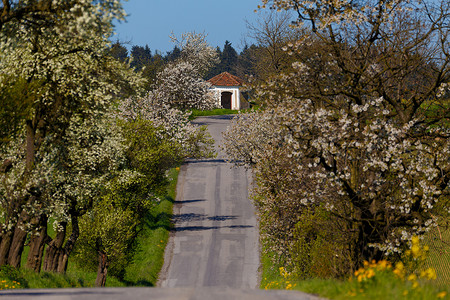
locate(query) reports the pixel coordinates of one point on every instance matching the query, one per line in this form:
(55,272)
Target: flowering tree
(73,81)
(171,123)
(180,85)
(196,51)
(86,159)
(351,151)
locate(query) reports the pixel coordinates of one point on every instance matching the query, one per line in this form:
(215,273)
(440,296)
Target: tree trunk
(13,218)
(37,245)
(64,259)
(18,242)
(54,251)
(368,235)
(5,245)
(30,145)
(102,269)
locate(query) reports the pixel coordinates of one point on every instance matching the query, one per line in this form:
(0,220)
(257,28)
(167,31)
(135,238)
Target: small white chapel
(228,87)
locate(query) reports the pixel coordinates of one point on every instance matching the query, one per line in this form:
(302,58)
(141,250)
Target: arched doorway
(225,100)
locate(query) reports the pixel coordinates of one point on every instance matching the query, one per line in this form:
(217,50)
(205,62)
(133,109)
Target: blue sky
(151,21)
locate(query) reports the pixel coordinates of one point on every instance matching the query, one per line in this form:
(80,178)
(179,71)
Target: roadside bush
(318,249)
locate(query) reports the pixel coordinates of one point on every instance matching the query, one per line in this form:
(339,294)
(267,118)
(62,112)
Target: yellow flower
(383,264)
(415,249)
(359,271)
(429,274)
(415,240)
(441,294)
(412,277)
(370,273)
(399,270)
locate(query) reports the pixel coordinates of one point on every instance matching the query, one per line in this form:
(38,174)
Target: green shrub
(318,250)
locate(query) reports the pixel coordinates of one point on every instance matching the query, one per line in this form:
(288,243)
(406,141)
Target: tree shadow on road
(192,217)
(199,161)
(202,228)
(181,202)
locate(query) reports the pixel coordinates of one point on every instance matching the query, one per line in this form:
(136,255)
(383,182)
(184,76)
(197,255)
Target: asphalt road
(212,254)
(215,293)
(216,238)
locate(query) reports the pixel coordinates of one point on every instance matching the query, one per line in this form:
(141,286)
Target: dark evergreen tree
(246,64)
(151,69)
(140,57)
(119,51)
(173,55)
(228,59)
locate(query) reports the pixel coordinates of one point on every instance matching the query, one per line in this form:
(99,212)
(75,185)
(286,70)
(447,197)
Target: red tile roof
(226,79)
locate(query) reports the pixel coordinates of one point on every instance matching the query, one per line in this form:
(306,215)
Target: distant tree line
(261,59)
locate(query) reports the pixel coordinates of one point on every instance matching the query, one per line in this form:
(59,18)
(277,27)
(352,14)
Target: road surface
(215,242)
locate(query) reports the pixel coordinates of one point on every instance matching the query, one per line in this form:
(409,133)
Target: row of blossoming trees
(83,155)
(351,147)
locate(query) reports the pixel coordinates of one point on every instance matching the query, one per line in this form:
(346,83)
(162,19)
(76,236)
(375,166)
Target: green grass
(384,285)
(152,241)
(270,272)
(73,278)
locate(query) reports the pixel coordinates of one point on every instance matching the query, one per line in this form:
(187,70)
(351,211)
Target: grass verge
(11,278)
(386,286)
(153,239)
(380,285)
